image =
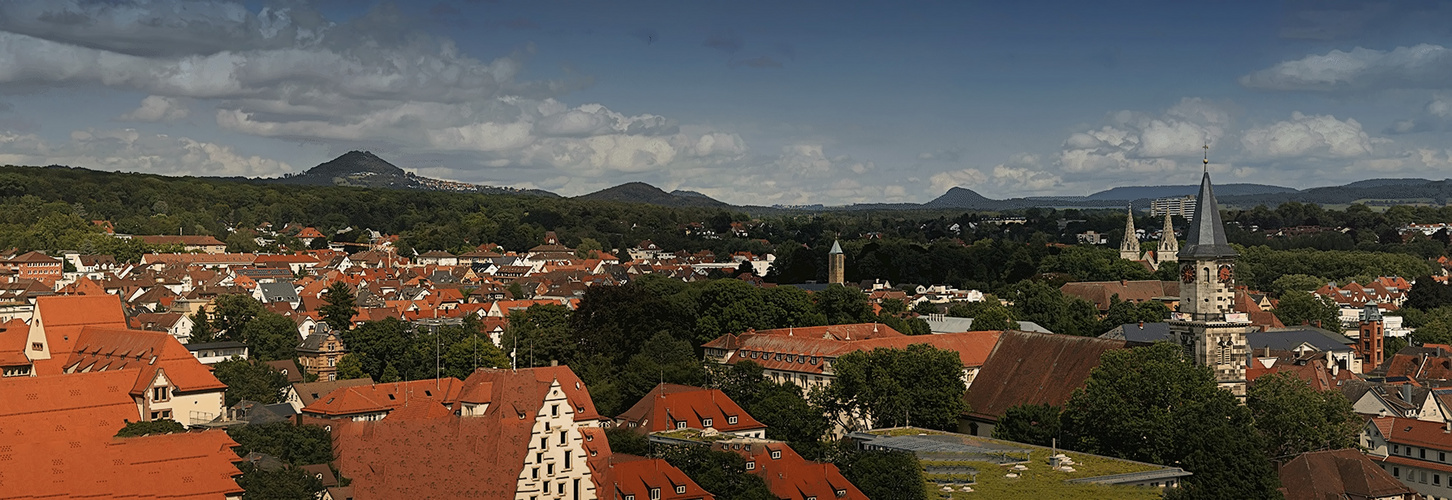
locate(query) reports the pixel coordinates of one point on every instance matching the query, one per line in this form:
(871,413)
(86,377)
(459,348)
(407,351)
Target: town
(332,364)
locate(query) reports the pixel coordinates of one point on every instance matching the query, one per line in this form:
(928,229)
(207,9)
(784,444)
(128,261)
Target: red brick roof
(668,404)
(1319,475)
(1101,292)
(13,337)
(1034,368)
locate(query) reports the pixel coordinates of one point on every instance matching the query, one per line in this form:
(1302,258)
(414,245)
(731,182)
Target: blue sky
(749,102)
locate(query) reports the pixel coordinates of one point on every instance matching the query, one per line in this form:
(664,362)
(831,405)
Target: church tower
(836,265)
(1129,248)
(1205,324)
(1169,245)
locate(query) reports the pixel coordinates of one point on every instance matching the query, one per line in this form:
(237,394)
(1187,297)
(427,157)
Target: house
(204,244)
(1319,475)
(804,356)
(376,401)
(282,292)
(287,368)
(320,352)
(173,323)
(1416,452)
(942,323)
(1308,340)
(302,394)
(437,258)
(788,475)
(673,406)
(1030,368)
(35,266)
(1101,293)
(308,234)
(628,477)
(59,443)
(518,434)
(211,353)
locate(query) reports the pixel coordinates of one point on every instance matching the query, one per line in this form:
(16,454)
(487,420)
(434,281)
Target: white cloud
(1141,143)
(157,109)
(1419,66)
(1320,136)
(1023,174)
(133,151)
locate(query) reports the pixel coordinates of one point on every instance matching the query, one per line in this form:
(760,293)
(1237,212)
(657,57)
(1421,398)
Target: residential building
(376,401)
(1415,452)
(320,351)
(211,353)
(1183,206)
(1320,475)
(673,406)
(804,356)
(35,266)
(1101,293)
(787,474)
(173,323)
(302,394)
(204,244)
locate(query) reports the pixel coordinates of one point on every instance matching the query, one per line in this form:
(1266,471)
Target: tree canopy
(920,386)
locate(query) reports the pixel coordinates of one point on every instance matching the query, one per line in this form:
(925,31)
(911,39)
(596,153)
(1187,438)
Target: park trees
(920,385)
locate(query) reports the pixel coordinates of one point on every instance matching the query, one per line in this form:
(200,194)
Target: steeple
(1169,245)
(1205,238)
(836,248)
(836,265)
(1129,247)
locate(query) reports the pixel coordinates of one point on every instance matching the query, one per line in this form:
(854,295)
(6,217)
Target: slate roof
(1139,333)
(951,324)
(1206,239)
(1034,368)
(1288,340)
(280,291)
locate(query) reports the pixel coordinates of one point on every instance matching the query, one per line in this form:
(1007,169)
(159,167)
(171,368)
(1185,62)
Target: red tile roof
(386,397)
(101,348)
(13,337)
(1319,475)
(1414,432)
(790,476)
(1034,368)
(669,404)
(637,476)
(794,352)
(64,316)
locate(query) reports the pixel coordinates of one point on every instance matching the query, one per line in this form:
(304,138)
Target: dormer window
(705,422)
(750,465)
(775,454)
(731,420)
(655,494)
(680,425)
(681,490)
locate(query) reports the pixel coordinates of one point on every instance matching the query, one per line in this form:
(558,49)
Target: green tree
(1298,308)
(1296,282)
(1392,345)
(843,305)
(541,334)
(202,331)
(350,366)
(379,345)
(1029,423)
(146,427)
(250,380)
(663,358)
(721,473)
(920,385)
(729,306)
(1048,306)
(588,249)
(1153,311)
(293,444)
(782,407)
(1427,294)
(271,336)
(283,483)
(626,441)
(883,474)
(230,313)
(1293,418)
(1150,404)
(994,318)
(339,306)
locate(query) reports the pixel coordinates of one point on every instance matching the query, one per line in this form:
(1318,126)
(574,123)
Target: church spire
(1129,247)
(1169,245)
(1205,238)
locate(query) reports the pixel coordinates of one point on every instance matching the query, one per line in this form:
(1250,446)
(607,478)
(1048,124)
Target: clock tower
(1206,324)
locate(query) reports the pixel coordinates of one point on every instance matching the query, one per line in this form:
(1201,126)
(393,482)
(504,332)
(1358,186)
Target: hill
(960,197)
(365,169)
(640,192)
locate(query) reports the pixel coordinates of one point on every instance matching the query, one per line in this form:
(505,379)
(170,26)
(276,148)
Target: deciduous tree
(1293,418)
(250,380)
(920,385)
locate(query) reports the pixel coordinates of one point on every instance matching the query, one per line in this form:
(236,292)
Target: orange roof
(1414,432)
(670,404)
(792,477)
(64,316)
(637,476)
(797,352)
(363,399)
(60,428)
(309,232)
(104,349)
(13,336)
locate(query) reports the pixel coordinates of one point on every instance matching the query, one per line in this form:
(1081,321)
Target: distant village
(90,345)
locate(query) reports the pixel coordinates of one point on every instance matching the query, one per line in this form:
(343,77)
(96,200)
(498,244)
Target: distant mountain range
(364,169)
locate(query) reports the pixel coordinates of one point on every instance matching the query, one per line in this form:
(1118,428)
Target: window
(534,473)
(166,414)
(331,362)
(160,394)
(560,489)
(544,443)
(680,425)
(564,437)
(1424,477)
(841,493)
(775,454)
(1437,479)
(629,497)
(681,489)
(811,498)
(554,410)
(1396,449)
(705,422)
(1441,456)
(1423,453)
(750,465)
(549,469)
(731,420)
(569,459)
(37,346)
(1396,472)
(655,494)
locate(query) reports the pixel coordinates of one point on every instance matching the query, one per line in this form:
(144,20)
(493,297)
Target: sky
(750,102)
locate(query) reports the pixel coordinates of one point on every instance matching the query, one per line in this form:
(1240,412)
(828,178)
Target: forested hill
(365,169)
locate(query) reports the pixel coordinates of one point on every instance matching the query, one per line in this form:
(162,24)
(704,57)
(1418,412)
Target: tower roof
(1205,239)
(836,249)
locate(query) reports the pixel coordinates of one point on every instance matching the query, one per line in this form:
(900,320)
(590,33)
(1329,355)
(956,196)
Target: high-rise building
(836,265)
(1206,324)
(1183,206)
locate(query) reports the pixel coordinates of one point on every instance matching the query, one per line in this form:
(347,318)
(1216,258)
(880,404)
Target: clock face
(1187,273)
(1226,273)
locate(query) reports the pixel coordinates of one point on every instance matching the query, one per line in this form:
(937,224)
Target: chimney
(1407,392)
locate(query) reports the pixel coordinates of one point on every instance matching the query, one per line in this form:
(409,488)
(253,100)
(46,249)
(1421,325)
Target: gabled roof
(364,399)
(791,477)
(637,476)
(1289,340)
(669,404)
(1034,368)
(64,316)
(102,348)
(307,392)
(797,352)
